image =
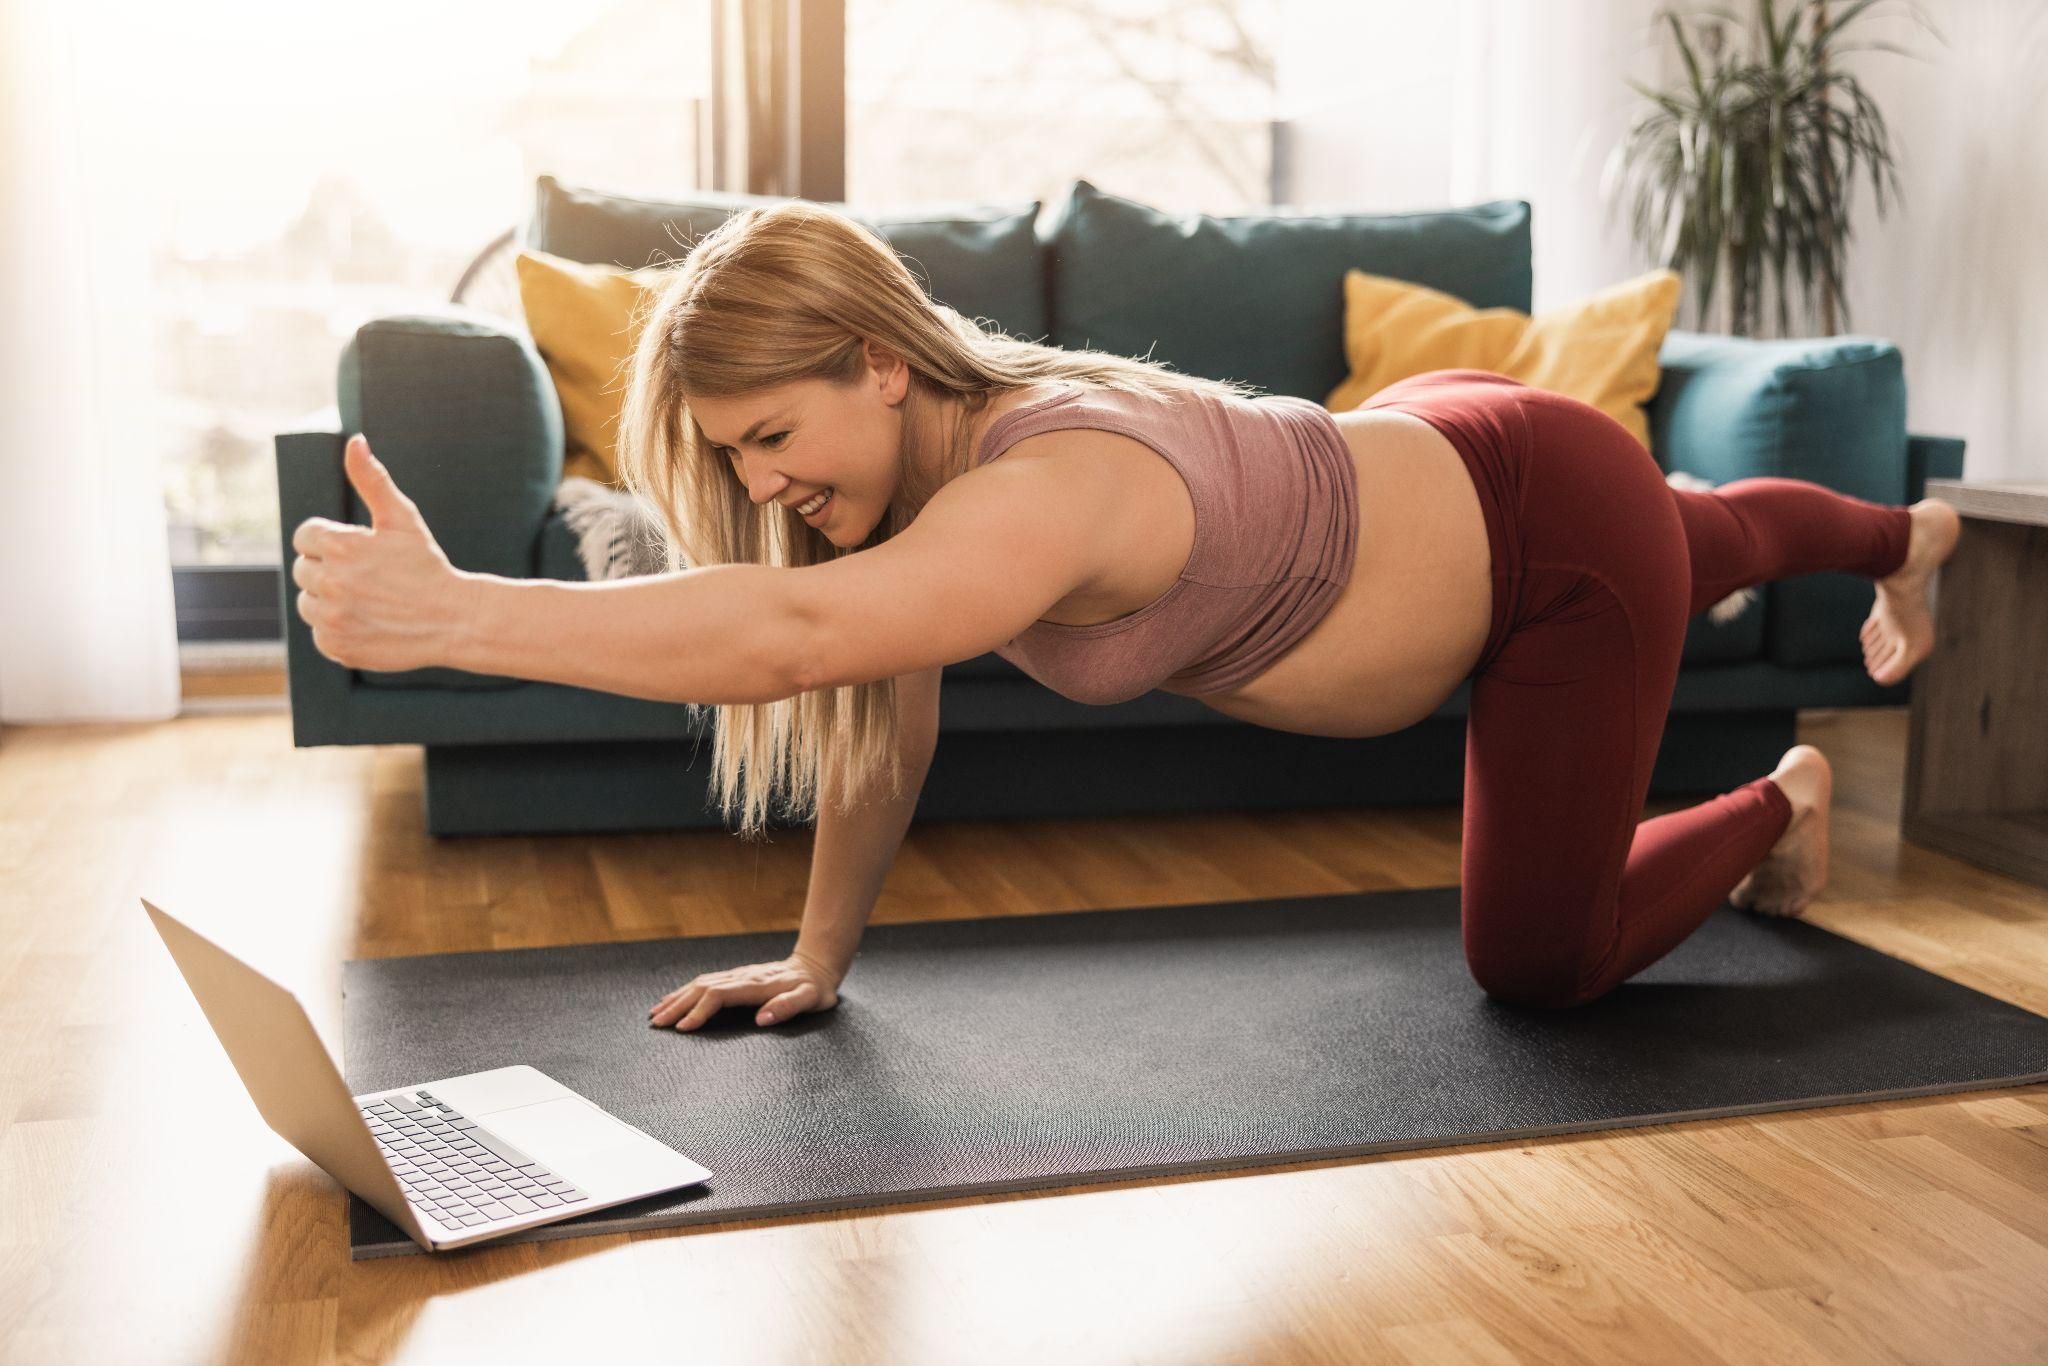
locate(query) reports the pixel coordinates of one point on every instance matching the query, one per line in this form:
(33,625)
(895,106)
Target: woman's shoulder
(1012,407)
(1074,416)
(1079,433)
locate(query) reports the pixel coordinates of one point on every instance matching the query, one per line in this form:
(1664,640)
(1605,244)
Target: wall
(1399,109)
(1959,279)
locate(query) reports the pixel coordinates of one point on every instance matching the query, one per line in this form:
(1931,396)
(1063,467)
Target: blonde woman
(869,487)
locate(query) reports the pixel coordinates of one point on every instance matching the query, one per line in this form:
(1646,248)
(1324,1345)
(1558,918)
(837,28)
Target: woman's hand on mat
(789,986)
(383,596)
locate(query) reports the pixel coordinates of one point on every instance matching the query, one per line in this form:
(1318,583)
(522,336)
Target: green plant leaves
(1749,166)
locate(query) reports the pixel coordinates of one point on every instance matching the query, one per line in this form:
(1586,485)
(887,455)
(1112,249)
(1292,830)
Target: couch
(458,404)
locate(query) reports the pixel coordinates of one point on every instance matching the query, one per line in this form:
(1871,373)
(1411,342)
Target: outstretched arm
(385,597)
(990,553)
(722,633)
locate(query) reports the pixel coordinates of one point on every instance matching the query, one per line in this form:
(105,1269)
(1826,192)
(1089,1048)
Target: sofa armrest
(310,483)
(1828,410)
(459,406)
(1931,457)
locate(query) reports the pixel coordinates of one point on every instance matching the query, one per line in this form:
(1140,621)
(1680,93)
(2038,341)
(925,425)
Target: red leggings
(1598,564)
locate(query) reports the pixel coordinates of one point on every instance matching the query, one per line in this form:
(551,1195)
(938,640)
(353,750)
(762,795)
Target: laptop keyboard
(455,1172)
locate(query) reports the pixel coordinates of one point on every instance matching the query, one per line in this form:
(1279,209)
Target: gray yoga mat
(1023,1052)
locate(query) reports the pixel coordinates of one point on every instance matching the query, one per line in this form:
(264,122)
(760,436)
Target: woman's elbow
(836,657)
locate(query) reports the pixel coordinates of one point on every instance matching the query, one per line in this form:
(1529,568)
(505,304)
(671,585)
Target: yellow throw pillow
(1601,350)
(581,317)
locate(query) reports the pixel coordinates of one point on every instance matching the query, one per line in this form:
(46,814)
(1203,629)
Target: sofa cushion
(1600,349)
(581,318)
(1259,297)
(1830,410)
(983,261)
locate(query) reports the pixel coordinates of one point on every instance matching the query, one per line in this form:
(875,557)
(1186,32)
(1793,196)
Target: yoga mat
(983,1055)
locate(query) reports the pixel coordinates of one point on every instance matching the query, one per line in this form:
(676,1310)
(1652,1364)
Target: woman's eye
(777,437)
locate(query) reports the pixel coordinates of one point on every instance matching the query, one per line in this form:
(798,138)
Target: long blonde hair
(788,292)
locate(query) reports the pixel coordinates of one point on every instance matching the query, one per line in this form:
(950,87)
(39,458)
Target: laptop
(452,1162)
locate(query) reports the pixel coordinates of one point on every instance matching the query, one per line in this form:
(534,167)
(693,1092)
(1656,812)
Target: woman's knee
(1540,995)
(1521,983)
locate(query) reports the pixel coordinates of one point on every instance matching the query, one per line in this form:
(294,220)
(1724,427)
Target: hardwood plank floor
(146,1215)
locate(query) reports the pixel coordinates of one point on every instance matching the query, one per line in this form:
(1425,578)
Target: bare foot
(1796,869)
(1899,632)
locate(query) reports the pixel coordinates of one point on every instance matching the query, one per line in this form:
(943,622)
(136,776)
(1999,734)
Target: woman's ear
(889,370)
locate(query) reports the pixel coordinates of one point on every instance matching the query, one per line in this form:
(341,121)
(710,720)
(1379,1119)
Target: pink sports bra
(1276,530)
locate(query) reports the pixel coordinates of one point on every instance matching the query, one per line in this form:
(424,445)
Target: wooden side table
(1977,753)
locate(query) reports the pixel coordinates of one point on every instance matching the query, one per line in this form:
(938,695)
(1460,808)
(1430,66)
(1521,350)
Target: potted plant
(1752,161)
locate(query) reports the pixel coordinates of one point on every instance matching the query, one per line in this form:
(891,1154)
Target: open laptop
(452,1162)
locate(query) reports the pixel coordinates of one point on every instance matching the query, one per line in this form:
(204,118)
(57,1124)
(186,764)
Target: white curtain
(1397,107)
(1541,97)
(87,626)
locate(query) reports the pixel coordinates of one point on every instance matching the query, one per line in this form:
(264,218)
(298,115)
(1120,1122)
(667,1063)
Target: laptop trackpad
(553,1130)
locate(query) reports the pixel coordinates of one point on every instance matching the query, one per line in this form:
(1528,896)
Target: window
(326,166)
(1000,100)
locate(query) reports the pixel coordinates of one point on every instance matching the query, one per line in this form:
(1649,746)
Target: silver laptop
(452,1162)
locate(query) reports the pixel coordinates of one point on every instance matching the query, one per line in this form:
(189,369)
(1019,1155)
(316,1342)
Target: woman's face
(796,441)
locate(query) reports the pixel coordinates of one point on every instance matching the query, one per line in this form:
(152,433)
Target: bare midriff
(1410,624)
(1406,629)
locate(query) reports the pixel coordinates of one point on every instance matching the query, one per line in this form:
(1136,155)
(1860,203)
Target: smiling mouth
(816,505)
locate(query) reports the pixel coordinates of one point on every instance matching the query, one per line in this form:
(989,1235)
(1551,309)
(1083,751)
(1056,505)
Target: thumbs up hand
(382,597)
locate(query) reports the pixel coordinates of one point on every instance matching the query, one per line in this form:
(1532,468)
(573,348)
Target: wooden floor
(146,1215)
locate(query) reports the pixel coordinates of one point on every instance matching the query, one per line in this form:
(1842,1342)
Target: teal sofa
(459,406)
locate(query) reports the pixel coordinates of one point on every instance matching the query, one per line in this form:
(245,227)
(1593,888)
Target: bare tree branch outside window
(1169,103)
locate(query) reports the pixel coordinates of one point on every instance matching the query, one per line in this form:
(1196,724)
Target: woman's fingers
(785,991)
(389,506)
(306,539)
(792,1002)
(673,1004)
(707,1005)
(318,537)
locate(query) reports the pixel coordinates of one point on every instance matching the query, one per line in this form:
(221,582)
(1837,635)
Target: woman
(870,487)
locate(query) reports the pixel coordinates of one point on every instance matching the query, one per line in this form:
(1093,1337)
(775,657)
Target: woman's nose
(764,486)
